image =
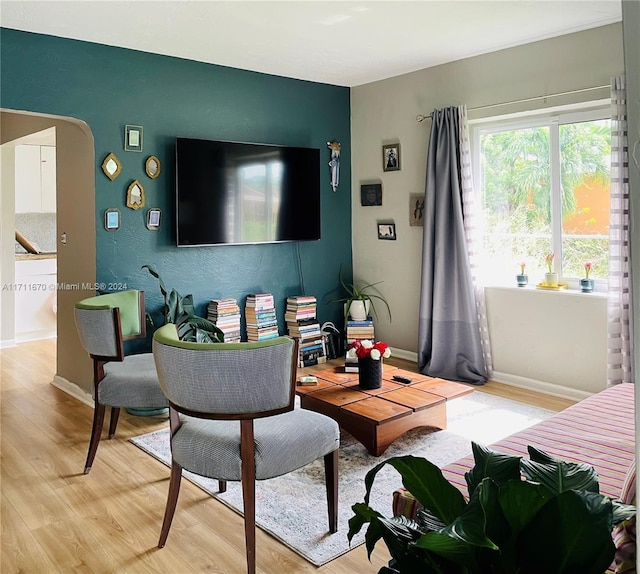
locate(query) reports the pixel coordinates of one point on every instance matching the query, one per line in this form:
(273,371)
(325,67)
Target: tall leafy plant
(179,309)
(522,517)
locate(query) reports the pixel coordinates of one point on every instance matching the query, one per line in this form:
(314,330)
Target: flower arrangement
(523,267)
(364,348)
(587,268)
(549,261)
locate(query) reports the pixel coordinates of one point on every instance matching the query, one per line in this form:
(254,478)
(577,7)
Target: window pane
(585,150)
(516,197)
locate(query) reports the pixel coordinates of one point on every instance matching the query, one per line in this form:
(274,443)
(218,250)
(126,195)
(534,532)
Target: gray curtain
(449,343)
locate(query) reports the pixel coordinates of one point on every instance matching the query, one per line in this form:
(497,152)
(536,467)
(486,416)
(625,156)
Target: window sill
(563,292)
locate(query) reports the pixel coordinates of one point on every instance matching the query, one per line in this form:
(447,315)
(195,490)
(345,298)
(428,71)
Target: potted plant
(550,278)
(523,278)
(586,284)
(553,520)
(180,310)
(358,300)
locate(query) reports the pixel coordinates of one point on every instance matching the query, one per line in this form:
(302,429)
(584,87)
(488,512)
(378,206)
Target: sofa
(599,430)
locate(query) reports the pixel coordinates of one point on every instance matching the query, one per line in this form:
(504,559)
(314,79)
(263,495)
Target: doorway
(75,237)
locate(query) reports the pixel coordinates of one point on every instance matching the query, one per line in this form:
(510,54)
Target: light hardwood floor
(56,519)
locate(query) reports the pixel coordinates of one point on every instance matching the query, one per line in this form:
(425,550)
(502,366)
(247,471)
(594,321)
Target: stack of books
(260,314)
(303,325)
(359,330)
(225,314)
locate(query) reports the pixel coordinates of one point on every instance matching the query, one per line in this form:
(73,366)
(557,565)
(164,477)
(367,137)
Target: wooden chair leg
(222,486)
(113,421)
(331,481)
(96,431)
(172,501)
(247,453)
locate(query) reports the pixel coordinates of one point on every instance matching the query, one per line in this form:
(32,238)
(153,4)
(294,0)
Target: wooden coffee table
(377,417)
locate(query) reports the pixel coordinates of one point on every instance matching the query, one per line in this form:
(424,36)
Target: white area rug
(292,508)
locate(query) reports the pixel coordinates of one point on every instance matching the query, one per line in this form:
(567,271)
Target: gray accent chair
(232,416)
(104,322)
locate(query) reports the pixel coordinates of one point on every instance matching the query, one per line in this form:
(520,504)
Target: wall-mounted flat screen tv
(235,193)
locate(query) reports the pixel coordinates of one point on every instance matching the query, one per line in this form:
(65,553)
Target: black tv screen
(233,193)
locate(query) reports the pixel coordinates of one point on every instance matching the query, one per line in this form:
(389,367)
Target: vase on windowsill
(523,280)
(551,279)
(586,285)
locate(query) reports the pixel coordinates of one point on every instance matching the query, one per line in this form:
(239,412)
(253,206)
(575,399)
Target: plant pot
(359,309)
(369,373)
(522,280)
(586,285)
(551,279)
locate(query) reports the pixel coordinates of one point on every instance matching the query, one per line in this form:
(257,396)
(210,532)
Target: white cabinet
(35,179)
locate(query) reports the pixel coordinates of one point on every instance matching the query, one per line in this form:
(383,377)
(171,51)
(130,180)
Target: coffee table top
(392,400)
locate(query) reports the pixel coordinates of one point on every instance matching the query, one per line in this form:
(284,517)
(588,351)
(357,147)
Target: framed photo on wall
(371,194)
(391,157)
(416,209)
(387,231)
(132,138)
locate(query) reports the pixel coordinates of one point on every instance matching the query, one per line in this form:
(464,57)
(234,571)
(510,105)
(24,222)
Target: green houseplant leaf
(488,463)
(576,530)
(558,475)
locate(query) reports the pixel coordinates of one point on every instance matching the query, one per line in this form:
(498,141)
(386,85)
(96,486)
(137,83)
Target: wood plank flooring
(56,519)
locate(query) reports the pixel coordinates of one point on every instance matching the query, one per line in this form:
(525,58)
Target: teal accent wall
(109,88)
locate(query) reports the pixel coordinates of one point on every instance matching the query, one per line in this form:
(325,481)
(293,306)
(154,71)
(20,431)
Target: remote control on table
(400,379)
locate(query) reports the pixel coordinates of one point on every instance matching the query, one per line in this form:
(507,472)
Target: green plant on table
(354,292)
(554,521)
(179,309)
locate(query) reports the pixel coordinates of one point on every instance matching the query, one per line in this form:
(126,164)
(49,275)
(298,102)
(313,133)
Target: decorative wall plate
(135,195)
(111,166)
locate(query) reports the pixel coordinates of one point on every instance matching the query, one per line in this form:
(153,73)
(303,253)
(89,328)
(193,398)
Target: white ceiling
(342,43)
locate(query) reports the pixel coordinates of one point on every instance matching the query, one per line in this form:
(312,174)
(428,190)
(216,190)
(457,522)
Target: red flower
(374,349)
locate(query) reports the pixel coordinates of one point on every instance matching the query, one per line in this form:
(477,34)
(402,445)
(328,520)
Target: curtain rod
(421,117)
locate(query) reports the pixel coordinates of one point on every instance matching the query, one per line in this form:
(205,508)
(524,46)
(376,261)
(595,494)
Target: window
(544,188)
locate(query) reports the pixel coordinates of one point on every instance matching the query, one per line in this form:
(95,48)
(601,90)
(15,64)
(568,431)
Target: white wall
(385,112)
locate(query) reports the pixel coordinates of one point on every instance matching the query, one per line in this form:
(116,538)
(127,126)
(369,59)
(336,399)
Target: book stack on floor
(260,314)
(225,314)
(357,330)
(303,325)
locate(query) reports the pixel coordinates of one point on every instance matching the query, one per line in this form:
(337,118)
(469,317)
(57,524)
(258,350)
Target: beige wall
(75,181)
(385,112)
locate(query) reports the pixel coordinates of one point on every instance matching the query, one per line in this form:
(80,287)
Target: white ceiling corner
(335,42)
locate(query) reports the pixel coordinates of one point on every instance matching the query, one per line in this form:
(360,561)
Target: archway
(76,241)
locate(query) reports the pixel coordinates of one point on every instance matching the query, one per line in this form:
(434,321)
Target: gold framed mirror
(152,166)
(135,195)
(111,166)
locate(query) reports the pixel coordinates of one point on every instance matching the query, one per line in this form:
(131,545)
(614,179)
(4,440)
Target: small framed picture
(387,231)
(153,219)
(112,219)
(371,194)
(132,138)
(391,157)
(416,209)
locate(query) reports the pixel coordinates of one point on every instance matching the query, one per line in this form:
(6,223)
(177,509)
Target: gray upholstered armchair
(104,323)
(231,409)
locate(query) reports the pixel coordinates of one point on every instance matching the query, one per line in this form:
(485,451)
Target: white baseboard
(540,386)
(406,355)
(7,343)
(514,380)
(72,389)
(28,336)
